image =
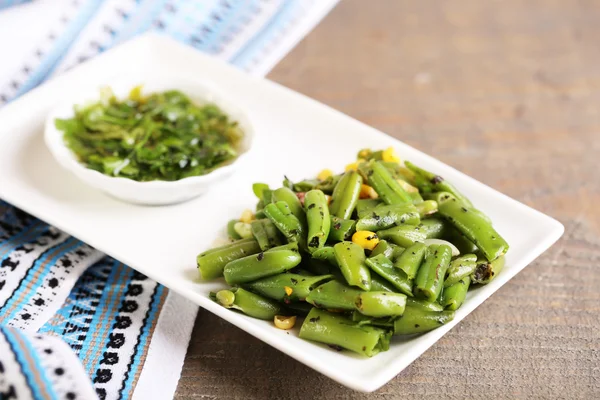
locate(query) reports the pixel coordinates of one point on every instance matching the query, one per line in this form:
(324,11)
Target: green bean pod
(231,233)
(351,260)
(345,198)
(249,303)
(385,322)
(459,268)
(411,259)
(415,320)
(430,278)
(382,217)
(476,228)
(407,235)
(287,223)
(383,247)
(305,185)
(328,185)
(424,305)
(337,330)
(430,182)
(464,245)
(293,202)
(426,208)
(334,295)
(325,253)
(317,215)
(277,287)
(486,270)
(265,233)
(384,183)
(384,268)
(378,284)
(363,205)
(454,296)
(251,268)
(341,229)
(381,304)
(212,262)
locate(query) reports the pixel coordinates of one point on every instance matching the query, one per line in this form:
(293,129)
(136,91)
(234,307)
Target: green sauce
(162,136)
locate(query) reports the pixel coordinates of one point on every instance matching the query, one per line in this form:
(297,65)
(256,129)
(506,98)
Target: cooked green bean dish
(384,248)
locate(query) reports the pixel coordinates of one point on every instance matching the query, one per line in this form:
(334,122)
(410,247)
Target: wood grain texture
(509,93)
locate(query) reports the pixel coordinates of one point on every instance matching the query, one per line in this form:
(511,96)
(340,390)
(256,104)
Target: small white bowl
(153,192)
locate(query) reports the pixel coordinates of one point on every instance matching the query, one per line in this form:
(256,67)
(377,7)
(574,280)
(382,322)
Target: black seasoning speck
(260,256)
(416,325)
(437,179)
(313,205)
(315,319)
(464,209)
(294,281)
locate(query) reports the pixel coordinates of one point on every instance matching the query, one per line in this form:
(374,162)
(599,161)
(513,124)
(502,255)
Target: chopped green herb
(162,136)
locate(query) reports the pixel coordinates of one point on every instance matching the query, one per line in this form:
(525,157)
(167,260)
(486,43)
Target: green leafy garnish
(163,136)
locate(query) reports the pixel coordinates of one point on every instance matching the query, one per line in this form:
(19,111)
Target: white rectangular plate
(295,136)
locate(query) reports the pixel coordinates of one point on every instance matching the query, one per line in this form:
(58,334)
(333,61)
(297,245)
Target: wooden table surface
(509,93)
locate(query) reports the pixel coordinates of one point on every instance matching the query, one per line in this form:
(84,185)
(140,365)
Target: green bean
(259,189)
(430,182)
(383,247)
(287,223)
(384,268)
(415,320)
(336,330)
(231,233)
(474,227)
(385,322)
(426,208)
(407,235)
(249,303)
(464,245)
(341,229)
(293,202)
(430,278)
(423,304)
(381,304)
(454,296)
(363,205)
(382,217)
(212,262)
(251,268)
(325,253)
(265,233)
(351,260)
(345,195)
(287,287)
(328,185)
(317,215)
(378,284)
(459,268)
(305,185)
(380,179)
(411,259)
(334,295)
(486,271)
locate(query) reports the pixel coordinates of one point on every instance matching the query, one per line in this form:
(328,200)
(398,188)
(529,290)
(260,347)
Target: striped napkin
(74,323)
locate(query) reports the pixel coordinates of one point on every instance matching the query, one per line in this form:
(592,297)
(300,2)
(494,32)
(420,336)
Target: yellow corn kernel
(283,322)
(367,192)
(365,239)
(408,188)
(288,290)
(354,166)
(389,154)
(326,173)
(247,216)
